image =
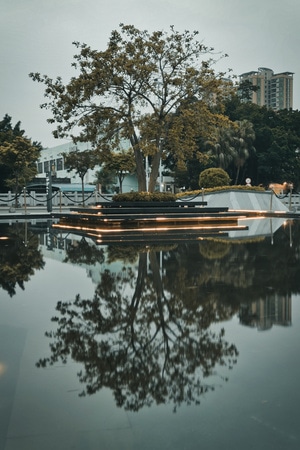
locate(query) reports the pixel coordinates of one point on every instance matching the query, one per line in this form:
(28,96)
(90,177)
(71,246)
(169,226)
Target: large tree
(8,132)
(231,146)
(20,157)
(81,162)
(156,90)
(242,143)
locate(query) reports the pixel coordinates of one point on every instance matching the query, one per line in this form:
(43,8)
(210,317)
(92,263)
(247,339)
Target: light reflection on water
(139,331)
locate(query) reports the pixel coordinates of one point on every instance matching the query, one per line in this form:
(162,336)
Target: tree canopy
(20,257)
(81,162)
(18,155)
(276,142)
(157,91)
(120,163)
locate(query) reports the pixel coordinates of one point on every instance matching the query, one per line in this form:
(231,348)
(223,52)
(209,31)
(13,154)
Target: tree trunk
(121,178)
(140,170)
(237,174)
(154,171)
(140,283)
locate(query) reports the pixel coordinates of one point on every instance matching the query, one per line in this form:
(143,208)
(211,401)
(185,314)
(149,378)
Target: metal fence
(292,201)
(68,199)
(58,199)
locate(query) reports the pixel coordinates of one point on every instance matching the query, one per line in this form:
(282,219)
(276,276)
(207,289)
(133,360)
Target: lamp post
(160,176)
(49,191)
(147,172)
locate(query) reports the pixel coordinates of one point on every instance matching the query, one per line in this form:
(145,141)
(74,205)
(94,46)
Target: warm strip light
(131,230)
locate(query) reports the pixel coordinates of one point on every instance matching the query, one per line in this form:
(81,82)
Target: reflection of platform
(159,233)
(257,227)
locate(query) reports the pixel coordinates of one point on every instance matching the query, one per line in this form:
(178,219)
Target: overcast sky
(37,36)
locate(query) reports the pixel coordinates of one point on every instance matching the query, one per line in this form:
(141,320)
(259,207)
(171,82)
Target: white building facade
(52,160)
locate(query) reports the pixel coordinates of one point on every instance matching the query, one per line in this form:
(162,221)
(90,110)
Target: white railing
(292,201)
(58,199)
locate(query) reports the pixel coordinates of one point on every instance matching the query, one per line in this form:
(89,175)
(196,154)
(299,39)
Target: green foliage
(277,140)
(246,89)
(8,133)
(231,146)
(81,162)
(127,254)
(107,179)
(242,143)
(214,177)
(145,197)
(219,189)
(219,147)
(82,252)
(188,177)
(214,249)
(20,257)
(120,163)
(19,156)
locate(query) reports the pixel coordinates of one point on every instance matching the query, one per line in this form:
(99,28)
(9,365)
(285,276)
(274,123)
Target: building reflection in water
(262,314)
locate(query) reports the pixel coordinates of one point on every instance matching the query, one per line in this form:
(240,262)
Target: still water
(187,344)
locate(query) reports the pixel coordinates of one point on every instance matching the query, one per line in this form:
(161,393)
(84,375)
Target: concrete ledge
(242,200)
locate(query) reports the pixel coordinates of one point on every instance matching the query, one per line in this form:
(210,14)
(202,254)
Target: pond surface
(176,345)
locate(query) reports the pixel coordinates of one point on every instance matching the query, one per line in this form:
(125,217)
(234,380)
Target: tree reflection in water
(20,256)
(81,252)
(145,344)
(147,334)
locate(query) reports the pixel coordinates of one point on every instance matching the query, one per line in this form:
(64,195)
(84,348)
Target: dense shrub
(220,189)
(145,197)
(213,177)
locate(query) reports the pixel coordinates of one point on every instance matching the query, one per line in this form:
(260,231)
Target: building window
(59,164)
(47,166)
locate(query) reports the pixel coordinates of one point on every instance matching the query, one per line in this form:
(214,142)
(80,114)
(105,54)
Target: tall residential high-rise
(274,91)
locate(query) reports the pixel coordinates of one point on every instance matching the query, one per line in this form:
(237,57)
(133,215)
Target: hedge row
(220,189)
(169,197)
(145,197)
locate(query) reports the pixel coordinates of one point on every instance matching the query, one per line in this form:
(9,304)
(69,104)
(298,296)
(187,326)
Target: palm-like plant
(232,146)
(242,144)
(220,148)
